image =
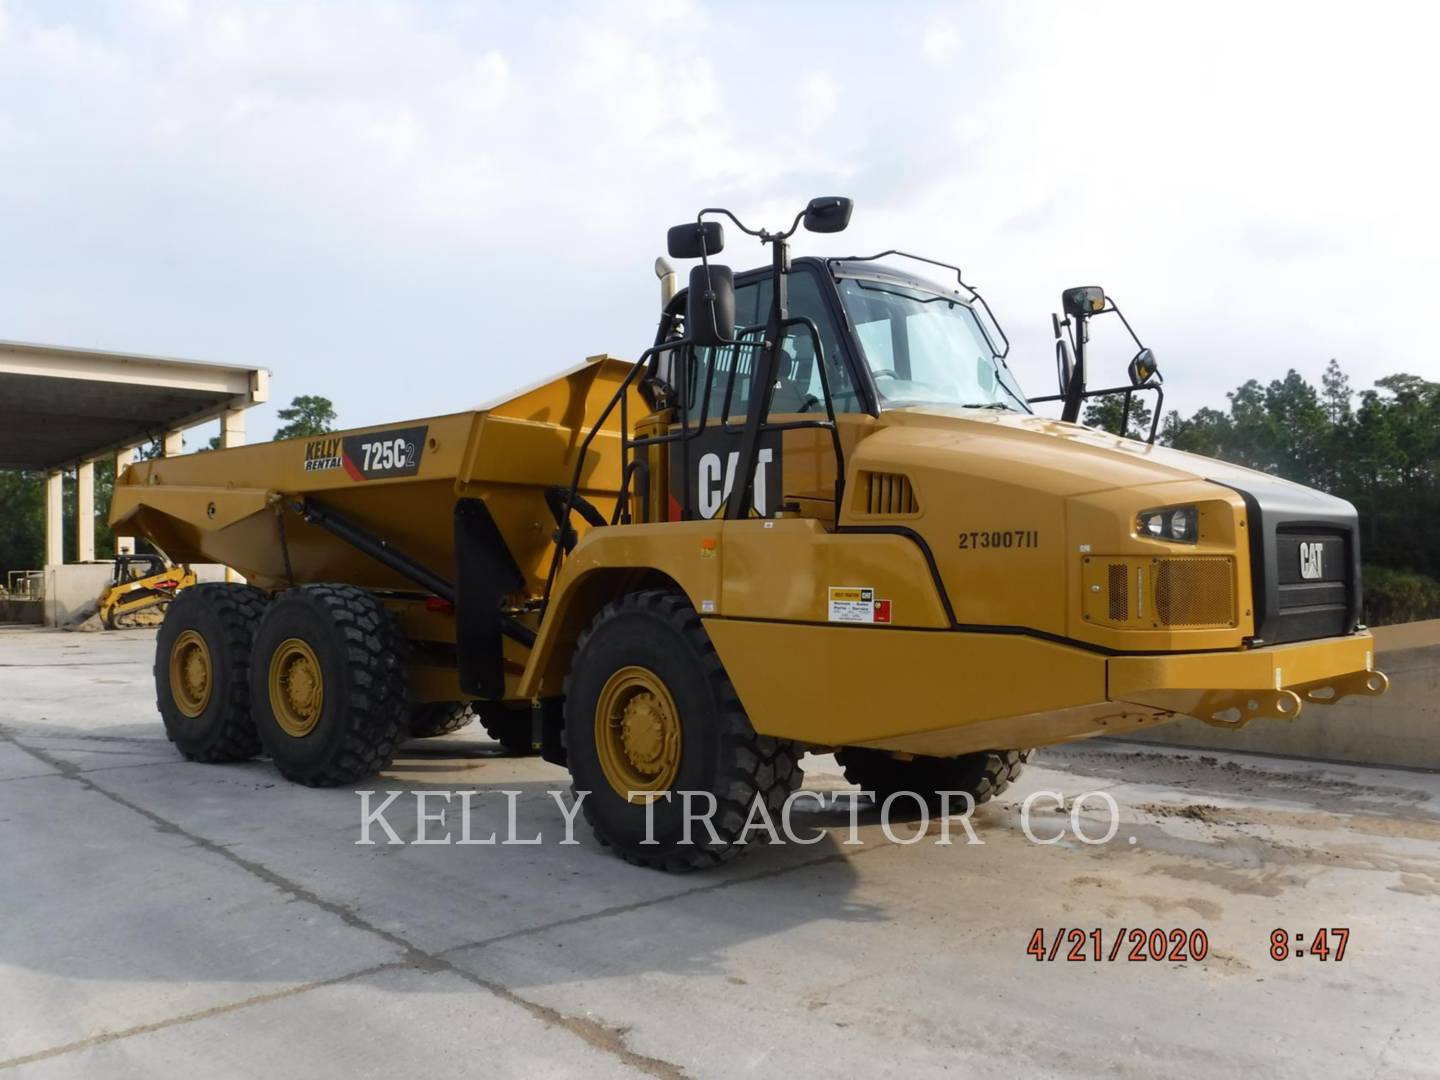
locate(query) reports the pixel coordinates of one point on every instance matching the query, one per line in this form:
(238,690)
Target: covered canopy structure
(64,408)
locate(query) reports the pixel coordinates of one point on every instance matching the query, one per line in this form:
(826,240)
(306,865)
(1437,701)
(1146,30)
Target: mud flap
(485,573)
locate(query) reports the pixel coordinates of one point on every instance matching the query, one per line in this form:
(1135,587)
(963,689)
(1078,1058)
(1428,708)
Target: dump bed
(397,481)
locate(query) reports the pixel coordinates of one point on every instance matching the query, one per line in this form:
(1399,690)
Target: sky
(411,208)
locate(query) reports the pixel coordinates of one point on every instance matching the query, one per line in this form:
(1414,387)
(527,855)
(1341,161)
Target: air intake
(889,494)
(1194,591)
(1119,581)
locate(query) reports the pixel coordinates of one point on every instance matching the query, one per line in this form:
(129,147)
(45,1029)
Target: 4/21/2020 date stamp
(1073,944)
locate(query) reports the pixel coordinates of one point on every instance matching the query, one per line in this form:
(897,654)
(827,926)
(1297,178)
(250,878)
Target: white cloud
(941,42)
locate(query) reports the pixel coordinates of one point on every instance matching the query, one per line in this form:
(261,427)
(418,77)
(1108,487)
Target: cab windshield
(927,348)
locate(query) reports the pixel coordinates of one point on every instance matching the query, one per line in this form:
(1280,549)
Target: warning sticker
(851,604)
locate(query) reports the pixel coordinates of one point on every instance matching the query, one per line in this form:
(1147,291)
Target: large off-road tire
(327,684)
(202,671)
(648,707)
(510,725)
(430,719)
(984,775)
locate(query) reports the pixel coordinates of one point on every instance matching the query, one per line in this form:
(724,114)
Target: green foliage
(1107,412)
(22,521)
(1396,596)
(308,414)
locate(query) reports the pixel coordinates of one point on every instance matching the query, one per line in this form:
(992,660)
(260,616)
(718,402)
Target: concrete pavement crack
(189,1018)
(641,905)
(591,1032)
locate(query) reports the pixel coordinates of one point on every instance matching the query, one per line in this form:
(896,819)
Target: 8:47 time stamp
(1323,944)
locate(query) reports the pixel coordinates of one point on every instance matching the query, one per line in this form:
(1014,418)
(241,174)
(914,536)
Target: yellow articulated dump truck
(817,514)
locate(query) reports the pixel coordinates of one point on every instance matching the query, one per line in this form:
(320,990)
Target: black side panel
(485,574)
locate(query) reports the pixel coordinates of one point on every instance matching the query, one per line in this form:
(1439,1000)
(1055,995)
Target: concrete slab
(159,917)
(16,764)
(398,1022)
(109,920)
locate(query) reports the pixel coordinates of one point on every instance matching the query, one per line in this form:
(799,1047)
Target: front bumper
(1229,689)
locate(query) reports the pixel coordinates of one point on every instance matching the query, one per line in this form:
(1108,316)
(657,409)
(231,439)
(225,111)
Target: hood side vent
(888,495)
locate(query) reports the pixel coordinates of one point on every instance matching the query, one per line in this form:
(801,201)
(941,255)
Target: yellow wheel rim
(297,687)
(637,733)
(191,674)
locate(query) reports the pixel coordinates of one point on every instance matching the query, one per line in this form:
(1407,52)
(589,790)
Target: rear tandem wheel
(327,684)
(202,671)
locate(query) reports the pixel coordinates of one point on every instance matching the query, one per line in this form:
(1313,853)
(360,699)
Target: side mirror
(828,214)
(710,306)
(1064,364)
(1084,300)
(695,239)
(1143,369)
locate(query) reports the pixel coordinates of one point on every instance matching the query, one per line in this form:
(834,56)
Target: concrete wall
(22,611)
(72,590)
(1402,728)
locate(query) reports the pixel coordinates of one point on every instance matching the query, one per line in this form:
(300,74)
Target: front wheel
(982,775)
(649,710)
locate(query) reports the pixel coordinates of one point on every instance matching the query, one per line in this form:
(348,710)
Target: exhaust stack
(669,281)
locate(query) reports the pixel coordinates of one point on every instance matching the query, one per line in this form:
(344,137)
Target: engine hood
(1080,460)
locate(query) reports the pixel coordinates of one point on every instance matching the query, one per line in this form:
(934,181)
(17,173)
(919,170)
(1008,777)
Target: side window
(799,389)
(752,307)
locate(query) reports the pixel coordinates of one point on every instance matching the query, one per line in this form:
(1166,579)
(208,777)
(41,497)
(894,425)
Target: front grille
(1292,601)
(1194,591)
(1312,573)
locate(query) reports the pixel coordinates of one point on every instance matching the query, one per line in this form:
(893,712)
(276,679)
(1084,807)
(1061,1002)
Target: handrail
(686,433)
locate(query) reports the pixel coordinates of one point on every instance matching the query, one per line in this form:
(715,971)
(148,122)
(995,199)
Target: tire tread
(760,766)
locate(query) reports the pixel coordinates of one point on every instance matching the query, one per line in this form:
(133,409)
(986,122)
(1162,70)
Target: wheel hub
(642,730)
(191,676)
(297,687)
(637,733)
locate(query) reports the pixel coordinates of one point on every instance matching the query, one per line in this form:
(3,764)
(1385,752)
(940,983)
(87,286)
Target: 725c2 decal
(988,539)
(371,456)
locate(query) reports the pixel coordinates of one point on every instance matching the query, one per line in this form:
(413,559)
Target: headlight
(1176,523)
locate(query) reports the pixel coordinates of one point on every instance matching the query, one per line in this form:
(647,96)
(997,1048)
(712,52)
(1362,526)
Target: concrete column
(124,545)
(232,428)
(54,518)
(173,444)
(85,512)
(232,433)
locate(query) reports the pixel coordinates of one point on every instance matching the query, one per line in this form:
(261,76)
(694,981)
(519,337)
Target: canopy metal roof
(60,406)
